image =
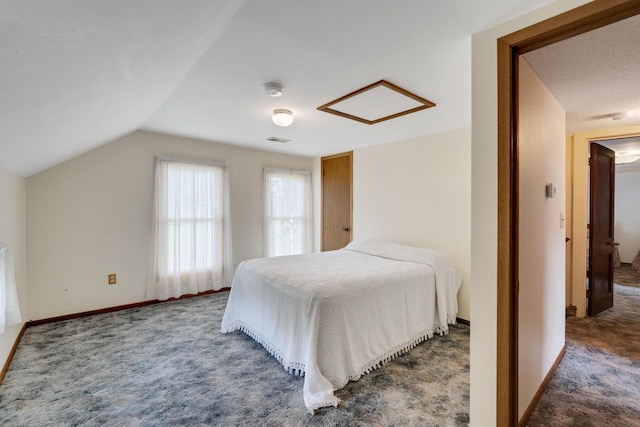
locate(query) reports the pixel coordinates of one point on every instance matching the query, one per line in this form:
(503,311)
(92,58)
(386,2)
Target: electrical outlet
(112,279)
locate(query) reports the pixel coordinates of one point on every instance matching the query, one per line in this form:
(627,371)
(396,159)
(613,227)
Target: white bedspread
(334,316)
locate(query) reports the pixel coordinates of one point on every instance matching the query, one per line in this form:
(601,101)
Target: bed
(335,316)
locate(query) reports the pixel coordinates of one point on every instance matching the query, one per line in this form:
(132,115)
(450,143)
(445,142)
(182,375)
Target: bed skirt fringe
(293,368)
(298,369)
(393,353)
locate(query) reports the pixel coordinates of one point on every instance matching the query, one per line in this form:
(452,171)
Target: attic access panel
(376,103)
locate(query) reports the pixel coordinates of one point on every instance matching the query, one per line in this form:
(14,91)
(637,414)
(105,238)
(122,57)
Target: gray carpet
(598,381)
(626,275)
(168,364)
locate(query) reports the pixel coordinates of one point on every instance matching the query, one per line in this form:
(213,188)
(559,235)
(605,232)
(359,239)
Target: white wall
(542,140)
(13,233)
(484,208)
(91,216)
(418,192)
(627,220)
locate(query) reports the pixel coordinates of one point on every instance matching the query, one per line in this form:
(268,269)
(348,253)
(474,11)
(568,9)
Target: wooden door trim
(335,156)
(574,22)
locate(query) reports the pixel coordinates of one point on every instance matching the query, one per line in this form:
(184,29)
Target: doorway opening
(591,16)
(625,249)
(621,140)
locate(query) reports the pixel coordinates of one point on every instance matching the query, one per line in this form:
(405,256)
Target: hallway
(598,381)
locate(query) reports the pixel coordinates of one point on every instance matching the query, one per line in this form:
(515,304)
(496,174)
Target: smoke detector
(273,89)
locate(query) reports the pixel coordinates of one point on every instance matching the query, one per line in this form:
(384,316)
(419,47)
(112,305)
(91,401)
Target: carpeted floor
(626,275)
(168,364)
(598,381)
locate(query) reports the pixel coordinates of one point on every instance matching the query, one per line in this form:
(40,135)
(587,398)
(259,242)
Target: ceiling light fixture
(273,89)
(623,160)
(624,157)
(282,117)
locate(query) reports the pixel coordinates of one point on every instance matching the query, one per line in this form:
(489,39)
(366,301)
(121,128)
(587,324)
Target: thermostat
(551,190)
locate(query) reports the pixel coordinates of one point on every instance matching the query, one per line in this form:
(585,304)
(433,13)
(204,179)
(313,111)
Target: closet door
(337,201)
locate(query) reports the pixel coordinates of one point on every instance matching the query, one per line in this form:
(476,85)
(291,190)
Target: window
(191,227)
(9,308)
(287,224)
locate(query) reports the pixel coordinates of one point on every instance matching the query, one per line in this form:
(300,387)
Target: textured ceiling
(78,74)
(594,75)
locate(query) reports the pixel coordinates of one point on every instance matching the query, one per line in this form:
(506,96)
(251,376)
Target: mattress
(334,316)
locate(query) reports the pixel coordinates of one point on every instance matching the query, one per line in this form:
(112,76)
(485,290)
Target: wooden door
(601,194)
(337,200)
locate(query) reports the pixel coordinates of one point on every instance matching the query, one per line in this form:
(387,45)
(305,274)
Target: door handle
(345,229)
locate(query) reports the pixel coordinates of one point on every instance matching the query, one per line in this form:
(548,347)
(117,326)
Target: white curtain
(9,308)
(287,223)
(192,228)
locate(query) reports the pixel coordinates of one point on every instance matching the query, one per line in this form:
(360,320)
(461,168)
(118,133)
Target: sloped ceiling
(78,74)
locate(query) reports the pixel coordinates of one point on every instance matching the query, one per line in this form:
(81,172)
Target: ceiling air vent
(276,139)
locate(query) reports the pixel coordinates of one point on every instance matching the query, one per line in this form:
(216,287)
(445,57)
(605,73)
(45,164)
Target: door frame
(574,22)
(334,156)
(580,153)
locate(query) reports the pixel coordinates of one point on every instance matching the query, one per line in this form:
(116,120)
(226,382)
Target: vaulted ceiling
(77,74)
